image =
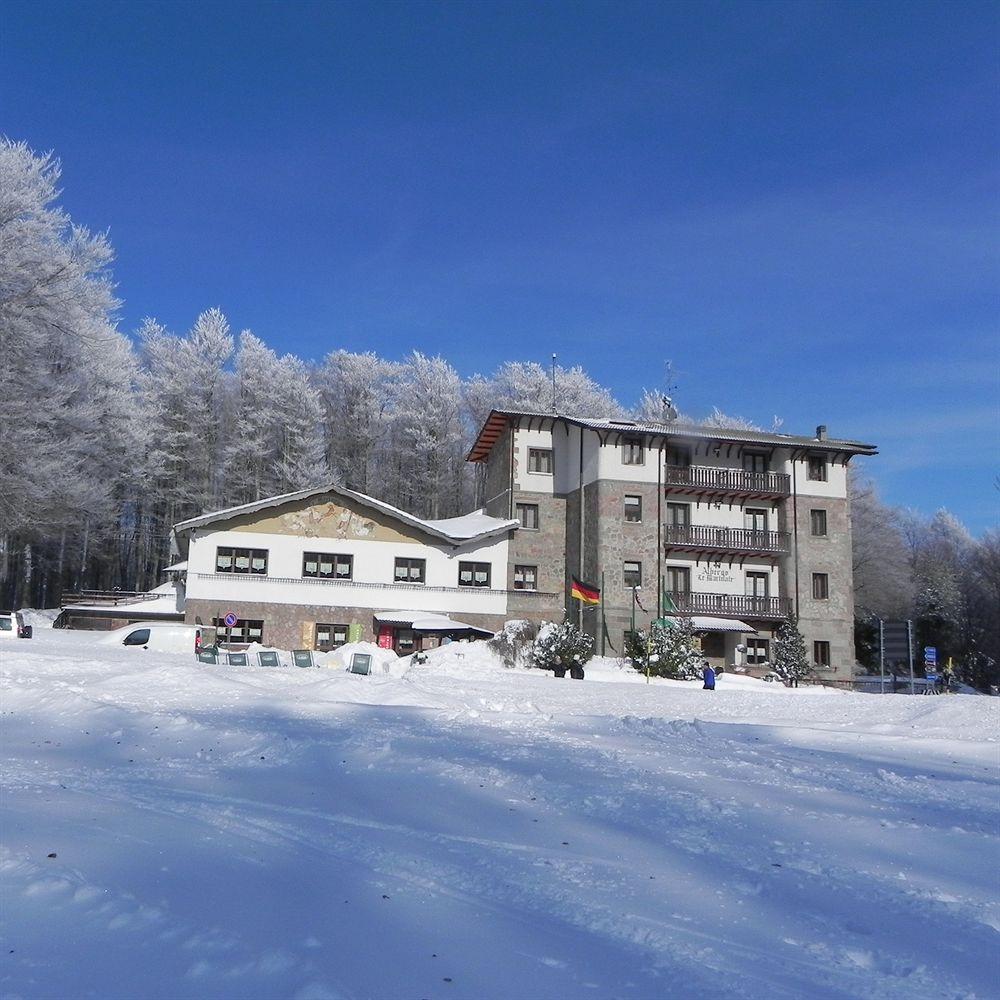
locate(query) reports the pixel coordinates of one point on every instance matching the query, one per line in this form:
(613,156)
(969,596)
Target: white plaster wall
(374,562)
(524,478)
(835,485)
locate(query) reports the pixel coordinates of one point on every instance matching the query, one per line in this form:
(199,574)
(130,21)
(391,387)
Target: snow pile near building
(39,618)
(383,660)
(458,829)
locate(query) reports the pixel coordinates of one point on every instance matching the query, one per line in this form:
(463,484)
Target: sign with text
(930,655)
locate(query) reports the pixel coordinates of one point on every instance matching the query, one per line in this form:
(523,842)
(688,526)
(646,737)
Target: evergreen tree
(668,650)
(790,662)
(561,647)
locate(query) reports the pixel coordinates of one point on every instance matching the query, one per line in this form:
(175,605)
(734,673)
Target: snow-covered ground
(173,830)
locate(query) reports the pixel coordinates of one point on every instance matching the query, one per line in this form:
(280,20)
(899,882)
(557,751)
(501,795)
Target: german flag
(585,592)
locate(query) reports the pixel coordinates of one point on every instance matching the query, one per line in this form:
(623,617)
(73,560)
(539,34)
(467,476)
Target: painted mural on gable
(319,518)
(329,521)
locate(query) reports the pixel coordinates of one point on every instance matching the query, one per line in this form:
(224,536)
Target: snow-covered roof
(454,530)
(176,568)
(705,624)
(424,622)
(498,420)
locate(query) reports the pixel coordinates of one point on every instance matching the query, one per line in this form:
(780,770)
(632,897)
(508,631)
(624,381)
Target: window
(409,570)
(633,509)
(678,455)
(633,452)
(633,574)
(527,514)
(821,586)
(327,566)
(817,523)
(330,636)
(756,651)
(243,631)
(540,460)
(757,584)
(473,574)
(526,578)
(817,468)
(231,560)
(137,638)
(678,514)
(821,653)
(755,520)
(754,461)
(678,579)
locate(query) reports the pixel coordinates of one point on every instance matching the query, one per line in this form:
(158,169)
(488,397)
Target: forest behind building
(108,438)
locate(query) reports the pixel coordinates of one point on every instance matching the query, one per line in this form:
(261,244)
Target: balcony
(730,605)
(699,480)
(735,541)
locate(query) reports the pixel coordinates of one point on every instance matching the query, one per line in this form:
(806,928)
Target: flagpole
(604,627)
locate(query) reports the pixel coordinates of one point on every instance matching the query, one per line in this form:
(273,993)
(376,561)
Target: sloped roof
(498,420)
(454,530)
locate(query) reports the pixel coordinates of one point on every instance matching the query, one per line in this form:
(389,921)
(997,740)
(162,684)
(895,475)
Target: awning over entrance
(704,624)
(424,622)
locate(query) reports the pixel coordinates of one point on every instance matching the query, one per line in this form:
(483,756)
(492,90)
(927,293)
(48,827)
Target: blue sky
(795,203)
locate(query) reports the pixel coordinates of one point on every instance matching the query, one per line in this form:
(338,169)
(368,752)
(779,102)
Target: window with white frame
(632,573)
(633,452)
(633,509)
(527,514)
(817,468)
(540,460)
(244,631)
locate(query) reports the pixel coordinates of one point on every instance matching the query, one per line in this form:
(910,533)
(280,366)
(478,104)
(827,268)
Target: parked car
(12,626)
(159,637)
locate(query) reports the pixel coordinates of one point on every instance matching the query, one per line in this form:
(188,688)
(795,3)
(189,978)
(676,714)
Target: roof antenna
(554,383)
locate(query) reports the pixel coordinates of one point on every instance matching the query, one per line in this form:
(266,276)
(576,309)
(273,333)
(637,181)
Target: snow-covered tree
(561,647)
(357,394)
(62,459)
(789,658)
(667,650)
(513,643)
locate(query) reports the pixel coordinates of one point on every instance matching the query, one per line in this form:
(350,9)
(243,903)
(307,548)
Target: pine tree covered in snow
(789,660)
(561,647)
(669,650)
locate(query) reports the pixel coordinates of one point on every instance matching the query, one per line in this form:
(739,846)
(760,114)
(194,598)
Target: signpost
(897,646)
(230,620)
(930,656)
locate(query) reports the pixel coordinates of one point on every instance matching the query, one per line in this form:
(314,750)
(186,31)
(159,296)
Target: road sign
(230,619)
(930,655)
(896,642)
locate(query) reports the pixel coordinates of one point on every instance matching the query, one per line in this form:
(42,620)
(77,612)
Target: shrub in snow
(672,650)
(513,642)
(561,647)
(790,660)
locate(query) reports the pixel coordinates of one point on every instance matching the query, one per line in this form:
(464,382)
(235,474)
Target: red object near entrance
(385,636)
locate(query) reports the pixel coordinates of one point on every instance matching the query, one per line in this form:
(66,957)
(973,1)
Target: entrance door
(405,641)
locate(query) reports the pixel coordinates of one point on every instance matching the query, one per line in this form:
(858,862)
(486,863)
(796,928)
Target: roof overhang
(421,621)
(701,623)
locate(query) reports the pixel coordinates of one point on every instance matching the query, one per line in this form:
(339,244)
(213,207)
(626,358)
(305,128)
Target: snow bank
(457,829)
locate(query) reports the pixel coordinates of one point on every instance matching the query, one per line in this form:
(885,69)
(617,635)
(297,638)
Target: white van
(12,626)
(159,637)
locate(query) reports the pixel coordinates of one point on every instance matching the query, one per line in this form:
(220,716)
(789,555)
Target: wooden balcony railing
(735,482)
(734,605)
(741,540)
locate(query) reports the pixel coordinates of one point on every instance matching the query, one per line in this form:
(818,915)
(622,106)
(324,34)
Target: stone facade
(292,626)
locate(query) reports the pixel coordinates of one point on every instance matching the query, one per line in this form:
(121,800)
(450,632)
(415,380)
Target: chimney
(821,432)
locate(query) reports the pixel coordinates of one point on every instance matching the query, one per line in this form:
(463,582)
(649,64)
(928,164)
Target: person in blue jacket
(709,675)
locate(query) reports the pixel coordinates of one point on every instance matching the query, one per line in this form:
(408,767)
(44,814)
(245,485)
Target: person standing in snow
(709,676)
